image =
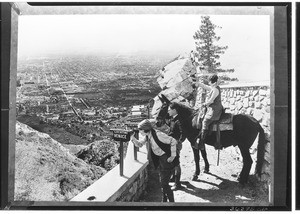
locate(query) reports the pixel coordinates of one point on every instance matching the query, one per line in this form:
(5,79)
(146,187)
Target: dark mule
(243,135)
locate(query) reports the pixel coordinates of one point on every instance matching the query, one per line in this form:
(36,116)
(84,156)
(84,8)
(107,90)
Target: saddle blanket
(225,123)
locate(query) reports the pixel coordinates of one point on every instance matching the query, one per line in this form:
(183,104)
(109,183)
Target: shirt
(176,131)
(155,148)
(215,109)
(212,95)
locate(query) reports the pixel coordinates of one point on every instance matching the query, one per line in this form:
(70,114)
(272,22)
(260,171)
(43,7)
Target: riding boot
(200,144)
(164,198)
(204,135)
(171,196)
(172,179)
(177,176)
(203,139)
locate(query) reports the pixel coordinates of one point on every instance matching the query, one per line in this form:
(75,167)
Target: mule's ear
(161,99)
(165,99)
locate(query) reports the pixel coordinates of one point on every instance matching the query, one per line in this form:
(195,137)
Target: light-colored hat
(145,125)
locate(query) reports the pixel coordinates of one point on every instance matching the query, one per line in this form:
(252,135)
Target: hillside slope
(47,171)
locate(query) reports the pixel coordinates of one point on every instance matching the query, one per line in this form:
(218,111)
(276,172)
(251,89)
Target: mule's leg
(204,156)
(247,163)
(197,163)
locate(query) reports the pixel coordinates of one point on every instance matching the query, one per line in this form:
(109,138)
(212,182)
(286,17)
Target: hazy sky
(247,37)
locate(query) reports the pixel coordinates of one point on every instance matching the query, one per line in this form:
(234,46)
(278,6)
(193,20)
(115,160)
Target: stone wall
(254,100)
(136,189)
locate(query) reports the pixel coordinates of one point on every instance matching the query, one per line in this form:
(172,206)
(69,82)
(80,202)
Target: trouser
(177,169)
(165,172)
(177,174)
(205,123)
(204,132)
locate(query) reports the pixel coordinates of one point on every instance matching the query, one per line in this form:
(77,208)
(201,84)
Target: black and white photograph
(147,105)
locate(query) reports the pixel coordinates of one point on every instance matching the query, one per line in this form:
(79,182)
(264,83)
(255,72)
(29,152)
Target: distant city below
(112,79)
(86,95)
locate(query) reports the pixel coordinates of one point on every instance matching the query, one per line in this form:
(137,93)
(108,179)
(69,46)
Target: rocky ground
(218,187)
(45,170)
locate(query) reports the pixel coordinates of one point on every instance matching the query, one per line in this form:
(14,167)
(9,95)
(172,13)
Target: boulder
(46,171)
(176,81)
(175,78)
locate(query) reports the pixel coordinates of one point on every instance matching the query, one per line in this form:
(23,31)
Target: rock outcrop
(176,81)
(101,153)
(47,171)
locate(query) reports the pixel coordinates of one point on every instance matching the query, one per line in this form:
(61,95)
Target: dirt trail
(219,186)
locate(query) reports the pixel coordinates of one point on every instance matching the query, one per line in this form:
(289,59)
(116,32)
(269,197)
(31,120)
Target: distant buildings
(101,91)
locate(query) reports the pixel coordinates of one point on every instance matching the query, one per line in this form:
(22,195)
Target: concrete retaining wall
(254,100)
(112,187)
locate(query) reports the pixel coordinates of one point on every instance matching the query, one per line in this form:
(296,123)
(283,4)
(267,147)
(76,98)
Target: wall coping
(246,84)
(110,187)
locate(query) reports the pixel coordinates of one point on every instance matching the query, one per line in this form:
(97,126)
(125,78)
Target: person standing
(163,153)
(176,131)
(214,108)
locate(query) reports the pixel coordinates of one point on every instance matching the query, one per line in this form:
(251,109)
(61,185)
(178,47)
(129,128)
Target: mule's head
(163,115)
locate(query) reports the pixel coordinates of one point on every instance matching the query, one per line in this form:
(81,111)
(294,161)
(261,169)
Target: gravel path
(219,186)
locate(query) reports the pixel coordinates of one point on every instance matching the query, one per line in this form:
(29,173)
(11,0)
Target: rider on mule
(214,108)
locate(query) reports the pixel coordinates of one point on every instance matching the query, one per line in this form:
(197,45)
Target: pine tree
(207,53)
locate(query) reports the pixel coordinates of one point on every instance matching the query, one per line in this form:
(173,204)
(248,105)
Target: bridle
(162,115)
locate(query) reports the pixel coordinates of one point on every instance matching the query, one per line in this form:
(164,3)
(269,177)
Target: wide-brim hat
(145,125)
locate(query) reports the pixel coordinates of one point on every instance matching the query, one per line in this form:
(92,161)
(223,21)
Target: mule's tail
(260,151)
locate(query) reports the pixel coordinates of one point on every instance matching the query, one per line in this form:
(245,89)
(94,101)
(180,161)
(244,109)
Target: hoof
(195,178)
(206,170)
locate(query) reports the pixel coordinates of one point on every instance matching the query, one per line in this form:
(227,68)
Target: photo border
(281,102)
